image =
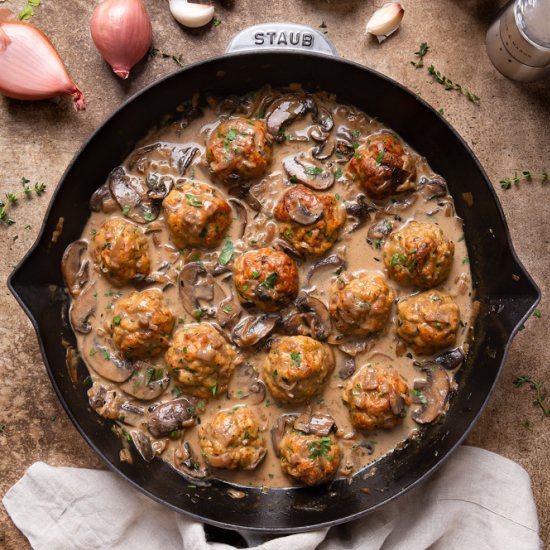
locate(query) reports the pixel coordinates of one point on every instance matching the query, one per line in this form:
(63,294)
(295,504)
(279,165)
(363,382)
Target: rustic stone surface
(508,132)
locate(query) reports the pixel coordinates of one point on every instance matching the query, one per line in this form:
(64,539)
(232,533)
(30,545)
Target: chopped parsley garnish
(271,280)
(320,448)
(420,397)
(176,391)
(214,388)
(296,358)
(116,320)
(228,309)
(255,275)
(313,171)
(126,210)
(216,22)
(192,200)
(338,173)
(227,252)
(537,313)
(380,157)
(152,375)
(148,216)
(106,354)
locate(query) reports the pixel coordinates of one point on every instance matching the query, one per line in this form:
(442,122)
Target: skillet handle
(281,36)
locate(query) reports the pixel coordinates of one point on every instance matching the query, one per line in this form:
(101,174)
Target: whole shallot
(30,67)
(122,32)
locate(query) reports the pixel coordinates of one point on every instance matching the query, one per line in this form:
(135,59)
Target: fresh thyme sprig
(450,85)
(422,51)
(177,59)
(536,386)
(27,12)
(12,198)
(526,175)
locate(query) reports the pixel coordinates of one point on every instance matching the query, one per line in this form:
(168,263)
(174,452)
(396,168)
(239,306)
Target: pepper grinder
(518,41)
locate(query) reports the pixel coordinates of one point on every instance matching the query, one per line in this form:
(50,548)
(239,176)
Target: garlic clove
(385,20)
(190,14)
(122,32)
(7,15)
(30,67)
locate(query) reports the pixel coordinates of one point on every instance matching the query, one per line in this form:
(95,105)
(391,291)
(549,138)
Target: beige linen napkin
(477,500)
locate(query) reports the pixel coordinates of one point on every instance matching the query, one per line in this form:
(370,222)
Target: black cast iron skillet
(505,290)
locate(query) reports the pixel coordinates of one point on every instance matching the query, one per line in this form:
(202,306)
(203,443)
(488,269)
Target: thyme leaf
(450,85)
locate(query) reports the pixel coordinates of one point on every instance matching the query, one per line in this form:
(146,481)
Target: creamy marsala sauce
(329,135)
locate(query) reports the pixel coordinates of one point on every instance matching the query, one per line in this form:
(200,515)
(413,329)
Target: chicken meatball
(381,166)
(141,324)
(239,148)
(232,439)
(308,221)
(376,397)
(296,368)
(428,321)
(360,303)
(201,360)
(197,215)
(121,252)
(266,278)
(308,458)
(419,254)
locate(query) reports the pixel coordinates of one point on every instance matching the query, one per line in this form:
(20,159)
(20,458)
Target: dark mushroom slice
(288,249)
(310,173)
(345,142)
(359,210)
(143,445)
(131,414)
(102,200)
(379,231)
(139,160)
(242,214)
(82,308)
(257,392)
(147,382)
(432,394)
(131,196)
(284,111)
(75,271)
(432,188)
(278,430)
(159,187)
(250,330)
(302,213)
(195,284)
(320,321)
(186,156)
(324,150)
(315,423)
(348,369)
(186,460)
(451,359)
(354,346)
(333,261)
(171,415)
(228,310)
(323,118)
(108,363)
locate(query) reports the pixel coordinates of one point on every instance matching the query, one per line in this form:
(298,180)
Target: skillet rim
(12,284)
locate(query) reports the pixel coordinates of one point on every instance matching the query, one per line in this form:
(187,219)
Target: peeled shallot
(30,67)
(122,32)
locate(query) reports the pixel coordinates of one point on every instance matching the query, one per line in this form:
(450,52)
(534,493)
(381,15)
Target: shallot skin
(122,32)
(31,68)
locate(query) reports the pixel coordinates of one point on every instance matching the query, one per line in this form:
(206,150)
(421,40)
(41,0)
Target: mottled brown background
(509,131)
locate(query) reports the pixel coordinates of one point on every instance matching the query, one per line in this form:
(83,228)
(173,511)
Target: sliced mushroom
(195,284)
(250,330)
(75,271)
(131,196)
(303,213)
(321,324)
(159,187)
(324,150)
(379,231)
(228,310)
(131,414)
(284,111)
(344,144)
(397,403)
(316,423)
(348,369)
(110,404)
(278,430)
(355,346)
(186,460)
(333,261)
(171,415)
(242,214)
(109,364)
(309,173)
(102,200)
(82,308)
(451,359)
(324,119)
(147,382)
(257,392)
(288,249)
(143,445)
(432,188)
(187,154)
(432,393)
(358,209)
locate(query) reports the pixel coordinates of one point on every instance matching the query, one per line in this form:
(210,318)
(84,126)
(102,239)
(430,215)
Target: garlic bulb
(190,14)
(30,67)
(385,20)
(122,32)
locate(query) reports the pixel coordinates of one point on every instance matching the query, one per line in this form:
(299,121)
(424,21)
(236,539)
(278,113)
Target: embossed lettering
(259,39)
(294,38)
(307,40)
(282,39)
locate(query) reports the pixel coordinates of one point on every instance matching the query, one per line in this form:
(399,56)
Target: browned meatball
(296,368)
(381,166)
(428,321)
(360,303)
(197,215)
(239,148)
(308,458)
(267,278)
(419,254)
(232,439)
(121,252)
(309,221)
(141,324)
(376,397)
(201,360)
